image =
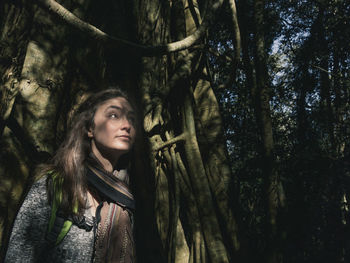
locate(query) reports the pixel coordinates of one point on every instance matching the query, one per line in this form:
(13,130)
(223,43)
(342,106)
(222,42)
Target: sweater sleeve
(27,239)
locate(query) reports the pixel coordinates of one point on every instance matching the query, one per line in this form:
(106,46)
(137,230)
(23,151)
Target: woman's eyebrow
(113,107)
(120,108)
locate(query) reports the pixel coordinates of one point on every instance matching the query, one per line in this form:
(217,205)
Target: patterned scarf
(114,215)
(110,187)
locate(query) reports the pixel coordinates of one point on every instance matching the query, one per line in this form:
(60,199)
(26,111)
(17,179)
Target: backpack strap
(58,230)
(58,224)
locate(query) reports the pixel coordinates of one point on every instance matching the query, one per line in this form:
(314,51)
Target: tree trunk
(272,184)
(181,142)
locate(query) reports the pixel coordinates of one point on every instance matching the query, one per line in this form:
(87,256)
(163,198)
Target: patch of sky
(311,100)
(282,51)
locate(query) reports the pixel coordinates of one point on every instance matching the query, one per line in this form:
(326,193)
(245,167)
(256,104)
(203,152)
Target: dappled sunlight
(14,174)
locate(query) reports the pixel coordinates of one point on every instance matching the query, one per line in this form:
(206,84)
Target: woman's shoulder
(37,191)
(44,178)
(40,182)
(39,188)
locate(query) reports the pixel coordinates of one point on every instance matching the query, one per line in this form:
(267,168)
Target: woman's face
(114,129)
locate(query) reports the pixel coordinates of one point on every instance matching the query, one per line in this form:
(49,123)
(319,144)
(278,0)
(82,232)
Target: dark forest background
(260,172)
(307,80)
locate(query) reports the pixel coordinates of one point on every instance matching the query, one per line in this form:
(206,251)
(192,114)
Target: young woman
(81,210)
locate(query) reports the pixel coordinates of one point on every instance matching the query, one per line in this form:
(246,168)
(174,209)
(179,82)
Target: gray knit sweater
(27,241)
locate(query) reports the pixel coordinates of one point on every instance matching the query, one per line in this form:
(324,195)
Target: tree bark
(14,33)
(195,175)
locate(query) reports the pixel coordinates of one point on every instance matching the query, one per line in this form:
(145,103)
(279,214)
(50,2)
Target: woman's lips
(124,137)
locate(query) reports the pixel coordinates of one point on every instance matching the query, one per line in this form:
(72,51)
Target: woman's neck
(108,161)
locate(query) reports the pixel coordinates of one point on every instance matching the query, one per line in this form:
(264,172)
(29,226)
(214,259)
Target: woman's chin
(122,147)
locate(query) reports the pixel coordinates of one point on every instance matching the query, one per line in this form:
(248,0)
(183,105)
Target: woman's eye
(113,116)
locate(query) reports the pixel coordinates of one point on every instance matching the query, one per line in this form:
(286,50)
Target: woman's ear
(90,133)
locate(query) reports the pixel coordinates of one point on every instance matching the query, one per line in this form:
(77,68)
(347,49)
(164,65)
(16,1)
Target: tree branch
(238,44)
(170,142)
(27,142)
(62,13)
(325,70)
(220,56)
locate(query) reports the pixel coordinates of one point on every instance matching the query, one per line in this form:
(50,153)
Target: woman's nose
(126,124)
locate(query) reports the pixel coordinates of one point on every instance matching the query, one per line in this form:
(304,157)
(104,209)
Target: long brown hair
(68,162)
